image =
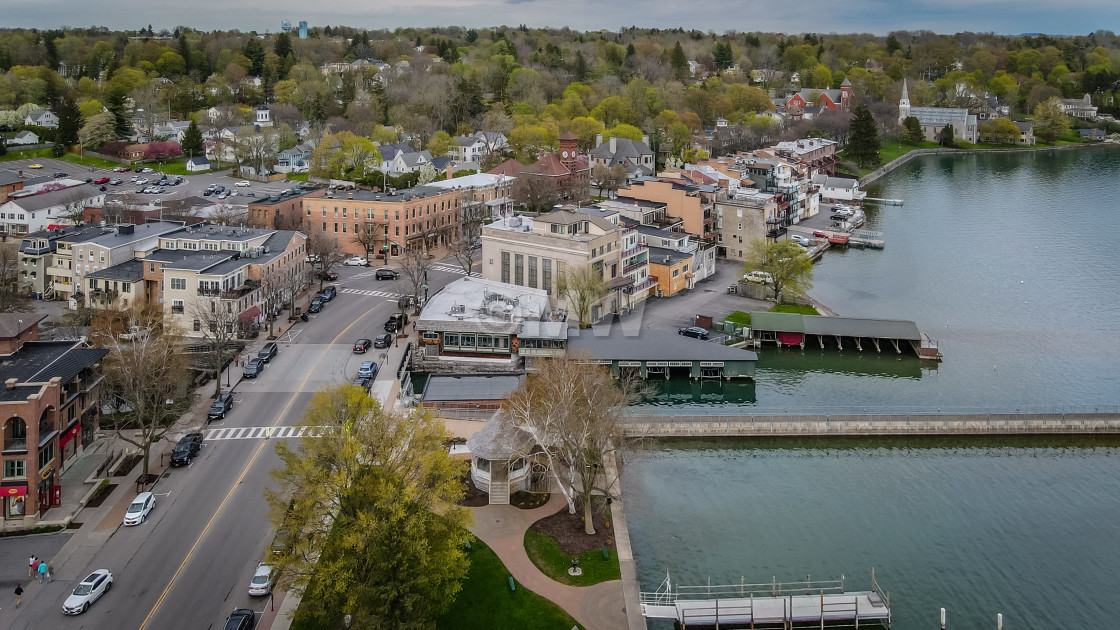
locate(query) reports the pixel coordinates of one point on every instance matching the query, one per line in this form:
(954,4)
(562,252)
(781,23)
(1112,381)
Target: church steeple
(903,103)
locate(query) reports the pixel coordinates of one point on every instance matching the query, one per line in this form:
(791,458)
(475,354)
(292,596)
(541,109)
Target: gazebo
(505,459)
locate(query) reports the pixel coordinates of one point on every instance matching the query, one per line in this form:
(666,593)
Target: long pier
(872,424)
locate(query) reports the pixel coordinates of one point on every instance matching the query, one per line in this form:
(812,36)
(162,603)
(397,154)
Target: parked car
(221,405)
(88,591)
(137,511)
(268,351)
(122,169)
(386,274)
(262,581)
(61,175)
(189,446)
(242,184)
(316,305)
(207,193)
(383,340)
(116,182)
(253,369)
(800,240)
(396,322)
(147,170)
(101,180)
(330,275)
(240,619)
(693,331)
(141,181)
(361,345)
(820,234)
(363,382)
(758,276)
(34,166)
(356,261)
(368,369)
(222,195)
(329,293)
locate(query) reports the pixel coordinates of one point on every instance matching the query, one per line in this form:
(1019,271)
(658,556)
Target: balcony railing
(210,291)
(177,309)
(637,249)
(644,285)
(635,266)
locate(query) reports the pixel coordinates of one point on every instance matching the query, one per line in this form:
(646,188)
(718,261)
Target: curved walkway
(502,527)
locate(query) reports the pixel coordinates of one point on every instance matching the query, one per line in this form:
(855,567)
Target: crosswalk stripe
(261,433)
(370,292)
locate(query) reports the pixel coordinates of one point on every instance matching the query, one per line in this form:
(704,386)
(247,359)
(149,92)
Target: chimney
(10,383)
(645,139)
(450,169)
(598,139)
(614,144)
(349,195)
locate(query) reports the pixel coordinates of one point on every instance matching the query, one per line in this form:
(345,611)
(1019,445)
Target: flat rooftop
(449,388)
(838,326)
(470,303)
(649,345)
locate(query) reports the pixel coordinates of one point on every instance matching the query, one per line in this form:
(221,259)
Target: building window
(178,284)
(197,326)
(505,267)
(46,455)
(450,339)
(676,272)
(546,276)
(519,269)
(533,272)
(15,469)
(430,335)
(177,307)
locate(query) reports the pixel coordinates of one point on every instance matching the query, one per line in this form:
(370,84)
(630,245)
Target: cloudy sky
(820,16)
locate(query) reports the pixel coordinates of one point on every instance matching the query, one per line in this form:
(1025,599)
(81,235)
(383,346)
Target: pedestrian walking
(19,594)
(50,571)
(42,571)
(31,567)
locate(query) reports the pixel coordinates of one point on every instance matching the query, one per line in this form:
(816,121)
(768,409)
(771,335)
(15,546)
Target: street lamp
(425,287)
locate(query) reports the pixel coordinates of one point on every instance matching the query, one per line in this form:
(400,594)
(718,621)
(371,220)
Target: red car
(122,169)
(820,234)
(103,180)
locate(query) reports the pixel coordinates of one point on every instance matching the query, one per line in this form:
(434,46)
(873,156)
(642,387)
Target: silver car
(88,591)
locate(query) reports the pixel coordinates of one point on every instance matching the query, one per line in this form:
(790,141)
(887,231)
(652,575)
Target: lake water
(1009,262)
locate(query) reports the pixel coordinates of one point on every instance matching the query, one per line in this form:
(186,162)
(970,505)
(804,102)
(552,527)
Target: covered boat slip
(793,329)
(650,354)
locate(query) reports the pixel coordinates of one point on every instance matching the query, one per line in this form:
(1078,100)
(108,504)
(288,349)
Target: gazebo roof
(498,440)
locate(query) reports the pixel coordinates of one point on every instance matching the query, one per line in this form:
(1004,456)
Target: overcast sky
(798,16)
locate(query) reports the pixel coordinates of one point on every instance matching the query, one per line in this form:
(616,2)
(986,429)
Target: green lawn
(31,154)
(546,554)
(486,603)
(794,308)
(739,317)
(299,177)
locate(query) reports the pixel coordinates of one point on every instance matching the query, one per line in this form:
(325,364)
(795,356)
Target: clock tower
(569,146)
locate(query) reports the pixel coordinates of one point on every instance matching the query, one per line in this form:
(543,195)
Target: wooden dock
(889,202)
(788,604)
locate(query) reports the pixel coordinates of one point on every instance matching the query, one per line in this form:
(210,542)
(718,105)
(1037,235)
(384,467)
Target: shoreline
(903,159)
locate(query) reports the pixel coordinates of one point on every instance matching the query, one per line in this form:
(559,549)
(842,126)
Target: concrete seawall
(897,162)
(924,424)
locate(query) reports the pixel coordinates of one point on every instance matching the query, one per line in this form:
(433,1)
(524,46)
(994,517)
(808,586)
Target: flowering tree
(162,151)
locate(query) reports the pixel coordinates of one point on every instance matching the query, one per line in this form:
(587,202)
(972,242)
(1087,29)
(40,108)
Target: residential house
(788,178)
(825,98)
(478,146)
(535,252)
(565,174)
(24,137)
(49,406)
(934,120)
(749,215)
(635,157)
(498,323)
(703,255)
(402,162)
(818,154)
(683,200)
(1078,107)
(11,182)
(1026,134)
(116,287)
(172,130)
(394,220)
(41,118)
(839,188)
(671,269)
(294,160)
(34,208)
(37,253)
(1091,135)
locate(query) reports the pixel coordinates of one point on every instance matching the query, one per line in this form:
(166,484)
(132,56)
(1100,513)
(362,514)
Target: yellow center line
(245,471)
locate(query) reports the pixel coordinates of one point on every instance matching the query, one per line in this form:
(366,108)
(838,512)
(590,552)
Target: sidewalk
(502,527)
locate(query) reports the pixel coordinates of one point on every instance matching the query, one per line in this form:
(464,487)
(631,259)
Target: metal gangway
(805,604)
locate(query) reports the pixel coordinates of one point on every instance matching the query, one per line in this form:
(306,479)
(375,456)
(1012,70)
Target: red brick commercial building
(49,405)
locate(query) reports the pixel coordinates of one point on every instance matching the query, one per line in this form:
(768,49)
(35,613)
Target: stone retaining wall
(893,164)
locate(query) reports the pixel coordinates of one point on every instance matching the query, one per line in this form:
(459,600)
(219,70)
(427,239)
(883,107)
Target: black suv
(329,293)
(186,449)
(316,305)
(385,274)
(240,619)
(396,322)
(267,352)
(253,369)
(384,340)
(221,404)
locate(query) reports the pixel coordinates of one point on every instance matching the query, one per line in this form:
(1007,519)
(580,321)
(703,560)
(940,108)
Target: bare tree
(295,282)
(472,213)
(13,297)
(146,107)
(571,406)
(228,214)
(369,237)
(324,254)
(534,191)
(216,320)
(583,288)
(415,265)
(144,373)
(73,208)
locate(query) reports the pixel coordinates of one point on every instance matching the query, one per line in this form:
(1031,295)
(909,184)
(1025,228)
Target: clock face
(565,154)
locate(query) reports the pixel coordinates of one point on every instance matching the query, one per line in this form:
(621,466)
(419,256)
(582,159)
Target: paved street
(190,564)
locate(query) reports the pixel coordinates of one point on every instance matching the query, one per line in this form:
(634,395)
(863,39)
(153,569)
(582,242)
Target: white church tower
(903,103)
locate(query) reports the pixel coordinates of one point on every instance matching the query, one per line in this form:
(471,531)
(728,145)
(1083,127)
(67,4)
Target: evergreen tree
(50,49)
(863,138)
(254,50)
(893,45)
(580,69)
(185,51)
(192,140)
(69,122)
(722,56)
(117,104)
(948,137)
(678,61)
(912,130)
(283,45)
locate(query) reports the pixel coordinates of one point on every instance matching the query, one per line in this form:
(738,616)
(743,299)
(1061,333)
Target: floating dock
(785,604)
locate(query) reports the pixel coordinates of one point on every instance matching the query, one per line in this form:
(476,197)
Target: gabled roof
(198,160)
(10,323)
(623,148)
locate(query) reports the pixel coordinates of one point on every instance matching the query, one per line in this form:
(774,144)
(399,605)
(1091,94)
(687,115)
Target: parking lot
(193,183)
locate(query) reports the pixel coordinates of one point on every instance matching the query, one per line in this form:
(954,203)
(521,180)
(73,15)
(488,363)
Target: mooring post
(942,619)
(773,586)
(822,609)
(999,621)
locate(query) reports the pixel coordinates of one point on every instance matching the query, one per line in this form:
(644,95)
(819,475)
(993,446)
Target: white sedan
(356,261)
(242,184)
(88,591)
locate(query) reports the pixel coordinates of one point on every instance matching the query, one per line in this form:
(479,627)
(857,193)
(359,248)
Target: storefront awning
(14,491)
(250,313)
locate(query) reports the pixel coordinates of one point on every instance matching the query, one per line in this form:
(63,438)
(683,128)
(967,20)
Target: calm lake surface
(1009,262)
